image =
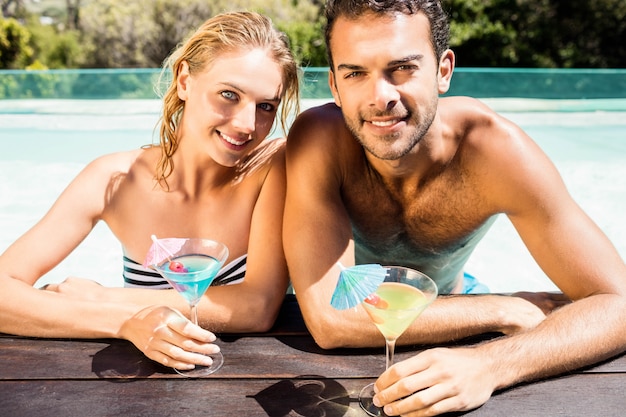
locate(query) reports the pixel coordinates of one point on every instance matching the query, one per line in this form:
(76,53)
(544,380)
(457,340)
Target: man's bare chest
(437,216)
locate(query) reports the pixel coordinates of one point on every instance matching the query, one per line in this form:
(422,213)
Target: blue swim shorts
(472,286)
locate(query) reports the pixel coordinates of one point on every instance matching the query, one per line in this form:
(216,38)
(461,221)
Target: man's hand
(435,381)
(546,301)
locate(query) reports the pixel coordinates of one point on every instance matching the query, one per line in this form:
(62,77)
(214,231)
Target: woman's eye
(229,95)
(266,107)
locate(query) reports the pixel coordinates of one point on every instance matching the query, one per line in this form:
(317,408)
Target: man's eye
(352,74)
(406,68)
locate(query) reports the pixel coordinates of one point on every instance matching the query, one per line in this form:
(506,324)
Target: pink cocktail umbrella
(355,284)
(162,249)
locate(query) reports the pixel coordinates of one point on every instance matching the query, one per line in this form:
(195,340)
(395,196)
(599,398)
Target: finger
(169,361)
(181,356)
(446,405)
(402,388)
(422,401)
(399,370)
(170,334)
(186,328)
(177,357)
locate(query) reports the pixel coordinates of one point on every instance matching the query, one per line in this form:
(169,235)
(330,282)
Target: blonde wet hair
(220,34)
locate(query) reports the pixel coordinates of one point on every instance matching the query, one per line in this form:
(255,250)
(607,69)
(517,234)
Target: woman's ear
(183,80)
(444,73)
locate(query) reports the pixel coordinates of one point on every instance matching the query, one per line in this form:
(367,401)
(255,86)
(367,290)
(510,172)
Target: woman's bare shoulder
(102,170)
(118,161)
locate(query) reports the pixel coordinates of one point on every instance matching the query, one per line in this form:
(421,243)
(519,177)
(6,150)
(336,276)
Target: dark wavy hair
(352,9)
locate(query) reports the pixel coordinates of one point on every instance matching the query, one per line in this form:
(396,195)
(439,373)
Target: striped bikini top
(138,276)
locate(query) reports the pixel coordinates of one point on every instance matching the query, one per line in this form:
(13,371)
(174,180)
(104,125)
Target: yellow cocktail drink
(394,306)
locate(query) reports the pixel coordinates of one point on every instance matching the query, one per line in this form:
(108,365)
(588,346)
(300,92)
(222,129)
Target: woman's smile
(234,143)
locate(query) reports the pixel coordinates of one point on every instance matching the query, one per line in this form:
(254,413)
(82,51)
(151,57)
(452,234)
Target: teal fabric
(472,286)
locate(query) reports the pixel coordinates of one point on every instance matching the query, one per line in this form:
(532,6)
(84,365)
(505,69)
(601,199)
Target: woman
(213,175)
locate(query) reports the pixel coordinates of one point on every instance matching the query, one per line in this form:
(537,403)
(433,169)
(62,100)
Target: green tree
(538,33)
(301,20)
(119,33)
(12,8)
(482,32)
(582,33)
(123,34)
(55,48)
(15,51)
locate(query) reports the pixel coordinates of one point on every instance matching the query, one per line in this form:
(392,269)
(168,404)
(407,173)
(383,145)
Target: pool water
(45,143)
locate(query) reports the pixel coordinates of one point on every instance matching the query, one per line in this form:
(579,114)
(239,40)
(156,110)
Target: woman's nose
(245,119)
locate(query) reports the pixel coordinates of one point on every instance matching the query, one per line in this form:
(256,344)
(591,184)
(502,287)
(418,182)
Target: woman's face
(231,105)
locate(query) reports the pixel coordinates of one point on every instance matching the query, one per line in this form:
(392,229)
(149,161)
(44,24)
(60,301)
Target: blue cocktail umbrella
(355,284)
(162,249)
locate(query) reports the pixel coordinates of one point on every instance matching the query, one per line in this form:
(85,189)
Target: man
(392,174)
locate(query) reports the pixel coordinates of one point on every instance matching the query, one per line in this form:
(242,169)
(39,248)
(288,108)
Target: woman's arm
(249,306)
(161,333)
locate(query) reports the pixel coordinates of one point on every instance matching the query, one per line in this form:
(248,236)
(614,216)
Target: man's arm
(316,227)
(575,254)
(317,233)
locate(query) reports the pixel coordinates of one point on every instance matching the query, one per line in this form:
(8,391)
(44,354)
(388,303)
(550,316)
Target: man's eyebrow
(406,59)
(395,62)
(349,67)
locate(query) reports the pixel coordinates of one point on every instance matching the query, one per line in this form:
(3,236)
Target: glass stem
(194,314)
(391,347)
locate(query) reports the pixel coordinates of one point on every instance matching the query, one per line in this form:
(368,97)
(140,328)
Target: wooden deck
(281,373)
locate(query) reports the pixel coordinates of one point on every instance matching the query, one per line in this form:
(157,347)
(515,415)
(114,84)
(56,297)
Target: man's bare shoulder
(466,111)
(327,111)
(324,120)
(477,125)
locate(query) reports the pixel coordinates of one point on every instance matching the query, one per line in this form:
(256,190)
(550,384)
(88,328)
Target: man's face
(385,80)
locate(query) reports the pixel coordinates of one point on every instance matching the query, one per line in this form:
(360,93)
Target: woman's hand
(164,335)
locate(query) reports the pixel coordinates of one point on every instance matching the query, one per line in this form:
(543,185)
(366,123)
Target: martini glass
(395,304)
(190,268)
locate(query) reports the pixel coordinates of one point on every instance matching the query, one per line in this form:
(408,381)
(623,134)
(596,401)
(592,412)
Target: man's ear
(444,73)
(183,80)
(333,87)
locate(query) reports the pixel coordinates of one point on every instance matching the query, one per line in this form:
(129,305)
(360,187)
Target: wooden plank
(576,395)
(589,394)
(189,398)
(245,357)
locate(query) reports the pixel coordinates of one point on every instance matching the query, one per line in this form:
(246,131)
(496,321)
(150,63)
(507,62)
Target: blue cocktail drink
(190,275)
(190,266)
